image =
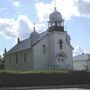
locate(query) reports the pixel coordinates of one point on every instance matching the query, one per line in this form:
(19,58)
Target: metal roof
(25,44)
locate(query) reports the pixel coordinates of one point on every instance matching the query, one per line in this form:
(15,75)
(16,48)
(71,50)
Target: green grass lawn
(32,72)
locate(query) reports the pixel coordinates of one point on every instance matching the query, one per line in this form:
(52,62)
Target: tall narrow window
(25,58)
(9,59)
(16,59)
(44,48)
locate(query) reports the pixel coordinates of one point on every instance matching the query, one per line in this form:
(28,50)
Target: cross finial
(34,26)
(61,43)
(55,5)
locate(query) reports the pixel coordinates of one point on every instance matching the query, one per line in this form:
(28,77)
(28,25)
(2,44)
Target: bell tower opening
(56,22)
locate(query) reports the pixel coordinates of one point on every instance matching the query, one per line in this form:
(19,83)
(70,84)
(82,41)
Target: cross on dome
(55,5)
(34,26)
(34,34)
(55,18)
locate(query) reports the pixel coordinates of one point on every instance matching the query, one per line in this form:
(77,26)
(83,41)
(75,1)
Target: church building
(49,50)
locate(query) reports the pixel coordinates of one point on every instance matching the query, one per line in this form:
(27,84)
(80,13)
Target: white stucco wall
(10,62)
(81,57)
(51,49)
(54,47)
(88,64)
(37,60)
(80,65)
(40,58)
(81,62)
(68,63)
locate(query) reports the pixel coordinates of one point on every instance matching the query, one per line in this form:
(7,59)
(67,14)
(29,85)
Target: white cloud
(84,7)
(16,3)
(43,11)
(21,27)
(8,27)
(68,8)
(40,27)
(15,28)
(78,50)
(25,26)
(1,53)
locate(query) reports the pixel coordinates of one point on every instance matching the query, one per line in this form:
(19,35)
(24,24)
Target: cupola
(34,36)
(55,16)
(56,21)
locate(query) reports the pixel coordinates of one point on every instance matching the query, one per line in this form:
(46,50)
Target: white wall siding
(51,49)
(80,65)
(88,65)
(68,63)
(10,62)
(40,58)
(36,59)
(81,62)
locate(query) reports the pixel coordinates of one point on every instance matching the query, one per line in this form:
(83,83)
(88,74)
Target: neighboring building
(81,62)
(49,50)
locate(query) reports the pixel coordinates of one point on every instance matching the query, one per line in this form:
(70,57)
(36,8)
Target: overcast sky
(18,16)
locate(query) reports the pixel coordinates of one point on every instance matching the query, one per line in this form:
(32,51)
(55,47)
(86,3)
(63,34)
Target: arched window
(9,59)
(44,48)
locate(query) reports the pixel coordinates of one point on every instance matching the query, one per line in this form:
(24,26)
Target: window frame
(44,48)
(25,58)
(16,58)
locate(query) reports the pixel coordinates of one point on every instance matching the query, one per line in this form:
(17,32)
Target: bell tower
(60,48)
(56,22)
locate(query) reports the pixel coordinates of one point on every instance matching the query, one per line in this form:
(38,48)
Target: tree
(0,58)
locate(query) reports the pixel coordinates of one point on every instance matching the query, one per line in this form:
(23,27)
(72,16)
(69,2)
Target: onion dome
(34,34)
(55,16)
